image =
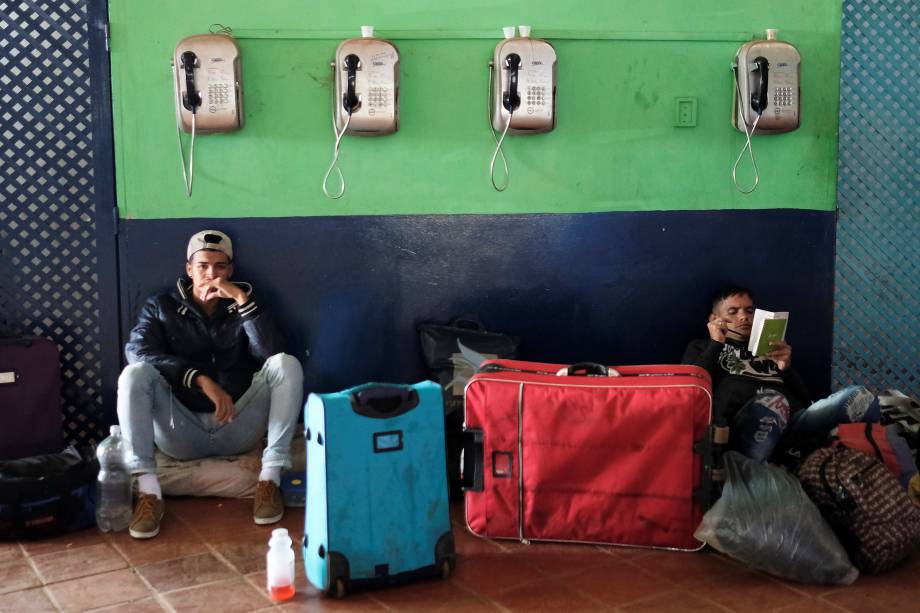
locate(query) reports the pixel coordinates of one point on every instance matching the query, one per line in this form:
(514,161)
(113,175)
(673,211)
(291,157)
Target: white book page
(757,327)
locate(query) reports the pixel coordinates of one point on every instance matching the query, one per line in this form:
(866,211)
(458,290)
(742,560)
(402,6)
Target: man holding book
(755,395)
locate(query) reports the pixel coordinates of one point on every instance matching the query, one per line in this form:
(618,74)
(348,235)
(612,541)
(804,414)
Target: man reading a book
(756,396)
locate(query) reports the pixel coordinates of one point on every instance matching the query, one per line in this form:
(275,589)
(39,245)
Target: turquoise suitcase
(377,508)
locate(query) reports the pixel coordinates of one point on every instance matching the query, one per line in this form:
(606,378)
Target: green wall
(621,64)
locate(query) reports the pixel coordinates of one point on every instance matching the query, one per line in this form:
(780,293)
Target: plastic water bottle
(280,566)
(113,486)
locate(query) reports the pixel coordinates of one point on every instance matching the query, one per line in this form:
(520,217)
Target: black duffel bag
(47,495)
(449,355)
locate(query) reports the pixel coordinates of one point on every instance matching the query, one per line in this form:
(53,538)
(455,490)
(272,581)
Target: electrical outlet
(685,112)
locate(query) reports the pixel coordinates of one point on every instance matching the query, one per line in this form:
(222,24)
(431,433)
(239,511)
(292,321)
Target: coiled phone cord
(188,176)
(335,159)
(498,141)
(747,144)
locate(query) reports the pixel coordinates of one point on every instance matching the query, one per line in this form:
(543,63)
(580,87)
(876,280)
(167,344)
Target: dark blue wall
(615,288)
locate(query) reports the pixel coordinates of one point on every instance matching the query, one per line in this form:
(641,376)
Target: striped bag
(865,505)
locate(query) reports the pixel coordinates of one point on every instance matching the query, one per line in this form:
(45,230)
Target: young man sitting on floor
(207,377)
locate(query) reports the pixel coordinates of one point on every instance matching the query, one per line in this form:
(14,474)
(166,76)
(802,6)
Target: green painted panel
(615,148)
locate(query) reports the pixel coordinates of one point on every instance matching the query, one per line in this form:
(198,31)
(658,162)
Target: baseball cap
(212,240)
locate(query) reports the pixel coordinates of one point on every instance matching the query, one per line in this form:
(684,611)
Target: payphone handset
(365,96)
(522,90)
(766,97)
(208,90)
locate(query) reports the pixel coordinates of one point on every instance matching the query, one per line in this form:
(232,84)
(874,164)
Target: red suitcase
(572,453)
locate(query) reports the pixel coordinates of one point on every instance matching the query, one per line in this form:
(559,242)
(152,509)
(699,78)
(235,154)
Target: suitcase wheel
(336,588)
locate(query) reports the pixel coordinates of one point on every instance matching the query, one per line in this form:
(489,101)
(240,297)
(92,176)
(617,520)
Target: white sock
(148,483)
(271,473)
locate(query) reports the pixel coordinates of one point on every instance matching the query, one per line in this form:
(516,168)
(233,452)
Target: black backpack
(47,495)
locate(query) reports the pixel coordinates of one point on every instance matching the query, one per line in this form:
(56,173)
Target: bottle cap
(367,31)
(508,31)
(279,538)
(771,33)
(525,31)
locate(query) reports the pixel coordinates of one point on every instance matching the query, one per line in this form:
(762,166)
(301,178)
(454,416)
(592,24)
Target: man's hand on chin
(222,288)
(207,293)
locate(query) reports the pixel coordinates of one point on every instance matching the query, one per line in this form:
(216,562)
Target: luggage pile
(854,477)
(45,490)
(551,452)
(586,453)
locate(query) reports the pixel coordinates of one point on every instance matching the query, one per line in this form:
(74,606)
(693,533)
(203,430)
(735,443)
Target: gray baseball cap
(211,240)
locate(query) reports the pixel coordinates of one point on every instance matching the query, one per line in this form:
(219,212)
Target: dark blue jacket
(176,336)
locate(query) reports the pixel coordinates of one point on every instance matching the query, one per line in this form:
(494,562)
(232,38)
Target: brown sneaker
(145,523)
(267,508)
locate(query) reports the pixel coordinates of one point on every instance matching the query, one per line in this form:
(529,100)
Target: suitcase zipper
(521,465)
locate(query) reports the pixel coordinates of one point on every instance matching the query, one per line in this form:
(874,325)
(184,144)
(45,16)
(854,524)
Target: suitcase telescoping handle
(383,401)
(587,369)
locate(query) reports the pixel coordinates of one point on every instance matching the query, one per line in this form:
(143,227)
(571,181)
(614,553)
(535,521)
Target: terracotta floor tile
(308,598)
(629,553)
(431,595)
(97,591)
(466,543)
(17,574)
(147,605)
(750,591)
(812,591)
(673,602)
(33,601)
(871,594)
(561,561)
(548,595)
(71,540)
(814,605)
(170,575)
(681,569)
(175,540)
(10,551)
(212,517)
(494,573)
(315,601)
(233,596)
(617,583)
(245,551)
(78,562)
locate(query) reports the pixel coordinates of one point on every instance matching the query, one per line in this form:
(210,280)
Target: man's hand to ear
(716,329)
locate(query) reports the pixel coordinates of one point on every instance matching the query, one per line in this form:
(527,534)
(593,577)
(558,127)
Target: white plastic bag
(766,520)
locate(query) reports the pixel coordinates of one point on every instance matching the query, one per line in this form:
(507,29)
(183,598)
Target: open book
(767,327)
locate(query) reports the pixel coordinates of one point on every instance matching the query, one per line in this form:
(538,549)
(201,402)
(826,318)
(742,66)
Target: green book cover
(767,327)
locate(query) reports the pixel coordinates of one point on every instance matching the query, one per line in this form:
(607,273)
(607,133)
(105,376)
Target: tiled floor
(211,557)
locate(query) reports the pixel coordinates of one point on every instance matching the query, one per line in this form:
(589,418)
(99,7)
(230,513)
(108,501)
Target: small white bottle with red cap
(279,567)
